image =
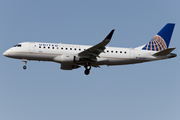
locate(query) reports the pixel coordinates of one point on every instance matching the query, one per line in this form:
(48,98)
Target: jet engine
(66,59)
(69,67)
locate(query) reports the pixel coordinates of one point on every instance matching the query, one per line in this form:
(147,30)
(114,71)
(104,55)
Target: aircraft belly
(41,57)
(102,61)
(124,61)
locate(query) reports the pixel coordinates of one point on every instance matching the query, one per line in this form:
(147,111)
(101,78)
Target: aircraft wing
(93,52)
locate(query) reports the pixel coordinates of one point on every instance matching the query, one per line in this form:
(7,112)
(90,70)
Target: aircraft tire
(24,67)
(87,72)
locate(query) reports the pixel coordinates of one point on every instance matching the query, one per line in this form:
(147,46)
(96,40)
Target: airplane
(74,56)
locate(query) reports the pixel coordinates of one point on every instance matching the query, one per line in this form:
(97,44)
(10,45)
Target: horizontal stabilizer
(164,52)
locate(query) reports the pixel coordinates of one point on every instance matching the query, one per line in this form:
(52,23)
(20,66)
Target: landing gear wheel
(24,67)
(25,63)
(87,68)
(87,72)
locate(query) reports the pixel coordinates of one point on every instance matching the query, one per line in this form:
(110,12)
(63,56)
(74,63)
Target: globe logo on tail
(156,44)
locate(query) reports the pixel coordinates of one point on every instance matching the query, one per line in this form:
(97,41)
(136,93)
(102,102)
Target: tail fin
(161,40)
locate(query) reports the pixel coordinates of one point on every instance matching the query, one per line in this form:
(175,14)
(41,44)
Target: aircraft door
(132,53)
(31,47)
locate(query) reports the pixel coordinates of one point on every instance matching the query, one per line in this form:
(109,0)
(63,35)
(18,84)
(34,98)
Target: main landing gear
(88,68)
(25,63)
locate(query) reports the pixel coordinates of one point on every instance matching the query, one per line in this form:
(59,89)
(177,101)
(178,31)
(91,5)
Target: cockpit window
(18,45)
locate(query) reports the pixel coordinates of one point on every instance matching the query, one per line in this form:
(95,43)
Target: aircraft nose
(6,53)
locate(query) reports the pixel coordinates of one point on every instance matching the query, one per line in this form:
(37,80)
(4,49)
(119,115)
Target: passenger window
(44,47)
(57,47)
(52,47)
(79,49)
(125,52)
(112,51)
(74,48)
(66,48)
(70,48)
(39,46)
(107,50)
(48,47)
(116,51)
(62,48)
(120,51)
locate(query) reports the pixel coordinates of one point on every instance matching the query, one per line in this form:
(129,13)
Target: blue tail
(161,40)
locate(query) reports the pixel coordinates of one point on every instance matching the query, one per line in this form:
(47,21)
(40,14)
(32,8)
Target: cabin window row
(60,48)
(108,51)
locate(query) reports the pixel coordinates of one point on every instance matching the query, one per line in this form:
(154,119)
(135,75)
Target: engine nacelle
(66,59)
(69,67)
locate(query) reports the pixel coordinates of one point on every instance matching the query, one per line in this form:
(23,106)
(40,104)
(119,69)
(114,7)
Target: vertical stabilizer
(161,40)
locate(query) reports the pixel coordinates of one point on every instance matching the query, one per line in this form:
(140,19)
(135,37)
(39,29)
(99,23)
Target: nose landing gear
(25,63)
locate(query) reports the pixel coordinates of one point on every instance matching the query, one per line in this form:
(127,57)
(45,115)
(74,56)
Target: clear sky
(147,91)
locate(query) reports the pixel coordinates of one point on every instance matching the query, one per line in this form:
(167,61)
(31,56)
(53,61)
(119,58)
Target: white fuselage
(73,56)
(110,56)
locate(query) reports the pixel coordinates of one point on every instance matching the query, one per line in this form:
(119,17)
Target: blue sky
(43,91)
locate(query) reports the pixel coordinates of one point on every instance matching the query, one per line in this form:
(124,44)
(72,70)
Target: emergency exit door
(132,53)
(31,47)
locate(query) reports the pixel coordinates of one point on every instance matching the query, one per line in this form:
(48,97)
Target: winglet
(107,38)
(110,35)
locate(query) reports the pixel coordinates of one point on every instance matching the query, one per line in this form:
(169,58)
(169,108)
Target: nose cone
(6,53)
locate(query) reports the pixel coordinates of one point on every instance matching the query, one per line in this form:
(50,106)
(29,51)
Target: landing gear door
(31,47)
